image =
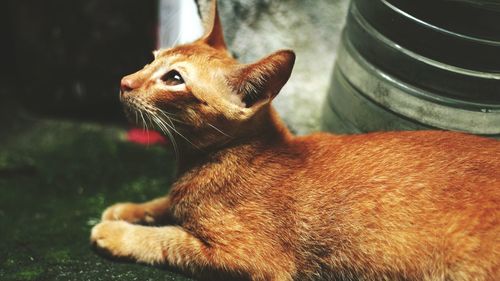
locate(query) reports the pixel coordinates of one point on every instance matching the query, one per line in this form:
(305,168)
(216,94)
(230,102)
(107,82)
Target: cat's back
(447,167)
(426,153)
(424,191)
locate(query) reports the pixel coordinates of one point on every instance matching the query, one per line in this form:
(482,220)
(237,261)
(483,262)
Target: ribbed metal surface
(398,70)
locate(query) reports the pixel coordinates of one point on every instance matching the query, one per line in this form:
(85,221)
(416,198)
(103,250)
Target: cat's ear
(214,35)
(258,83)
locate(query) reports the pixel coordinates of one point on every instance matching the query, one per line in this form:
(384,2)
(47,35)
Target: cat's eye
(172,78)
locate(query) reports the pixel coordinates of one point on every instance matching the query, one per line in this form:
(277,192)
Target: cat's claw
(110,237)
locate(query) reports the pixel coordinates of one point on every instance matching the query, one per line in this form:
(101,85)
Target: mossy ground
(56,177)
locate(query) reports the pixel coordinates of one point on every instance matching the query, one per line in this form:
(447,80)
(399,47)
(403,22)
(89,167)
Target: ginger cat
(254,202)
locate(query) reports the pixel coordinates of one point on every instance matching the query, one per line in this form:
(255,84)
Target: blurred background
(65,58)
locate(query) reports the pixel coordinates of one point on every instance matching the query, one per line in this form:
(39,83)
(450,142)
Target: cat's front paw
(110,237)
(130,212)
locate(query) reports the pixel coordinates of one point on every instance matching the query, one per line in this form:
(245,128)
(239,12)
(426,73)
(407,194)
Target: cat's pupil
(172,78)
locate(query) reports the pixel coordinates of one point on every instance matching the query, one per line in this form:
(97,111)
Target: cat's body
(254,202)
(351,206)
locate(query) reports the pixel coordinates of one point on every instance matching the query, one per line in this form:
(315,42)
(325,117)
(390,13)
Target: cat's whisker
(160,124)
(218,130)
(177,39)
(171,125)
(185,138)
(181,135)
(138,112)
(145,124)
(139,121)
(167,132)
(147,129)
(170,115)
(151,114)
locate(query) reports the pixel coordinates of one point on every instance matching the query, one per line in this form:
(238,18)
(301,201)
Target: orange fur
(253,202)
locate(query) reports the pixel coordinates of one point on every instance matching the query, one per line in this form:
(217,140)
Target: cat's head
(201,92)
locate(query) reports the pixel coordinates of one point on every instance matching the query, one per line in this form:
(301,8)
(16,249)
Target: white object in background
(179,23)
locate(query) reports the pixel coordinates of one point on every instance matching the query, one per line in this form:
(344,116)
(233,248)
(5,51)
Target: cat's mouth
(142,113)
(135,110)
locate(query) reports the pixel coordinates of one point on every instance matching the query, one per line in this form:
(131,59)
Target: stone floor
(56,177)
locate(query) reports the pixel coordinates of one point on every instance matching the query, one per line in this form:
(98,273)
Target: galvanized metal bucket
(408,66)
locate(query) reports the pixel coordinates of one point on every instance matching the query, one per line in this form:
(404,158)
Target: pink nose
(128,84)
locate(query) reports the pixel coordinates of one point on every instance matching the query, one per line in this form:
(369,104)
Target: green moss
(30,273)
(9,263)
(56,178)
(58,256)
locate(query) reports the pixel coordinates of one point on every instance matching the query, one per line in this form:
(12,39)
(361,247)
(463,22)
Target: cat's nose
(128,84)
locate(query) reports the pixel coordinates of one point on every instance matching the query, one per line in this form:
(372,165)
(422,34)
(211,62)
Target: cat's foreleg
(149,212)
(146,244)
(176,247)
